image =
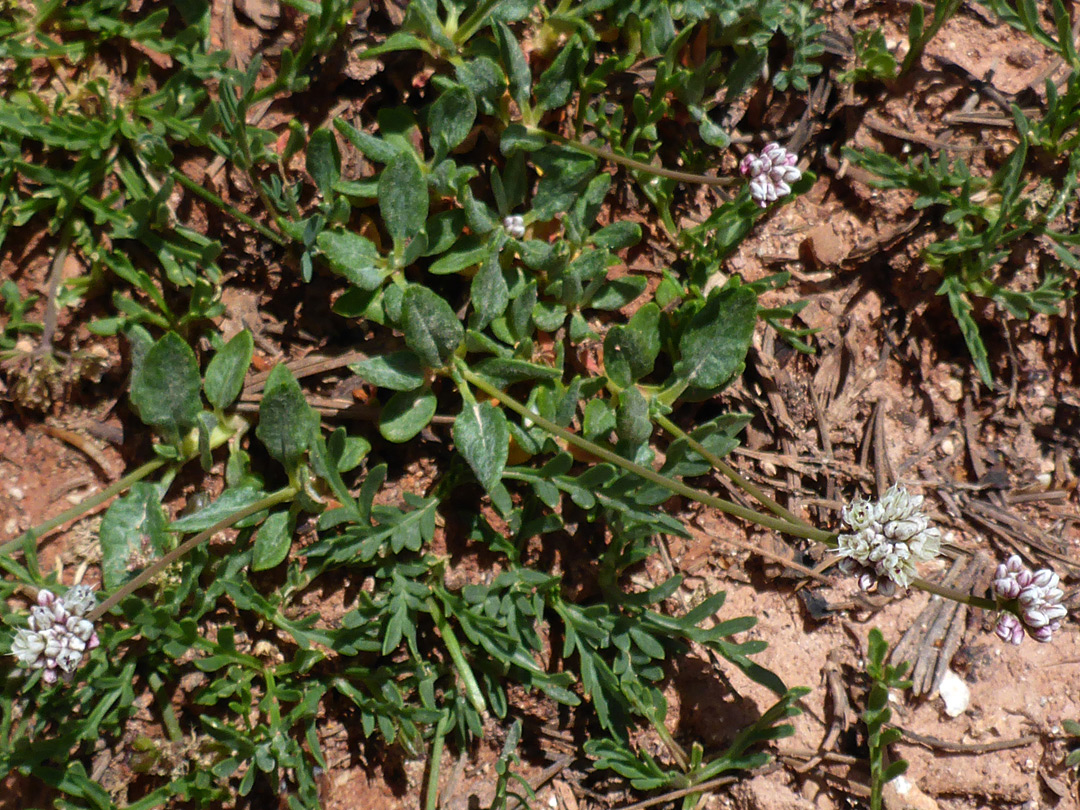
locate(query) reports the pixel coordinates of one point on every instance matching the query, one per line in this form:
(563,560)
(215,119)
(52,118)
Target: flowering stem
(957,596)
(83,507)
(282,495)
(679,488)
(729,472)
(636,165)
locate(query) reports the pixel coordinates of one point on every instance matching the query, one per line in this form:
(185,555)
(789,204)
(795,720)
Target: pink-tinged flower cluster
(1038,601)
(58,635)
(771,173)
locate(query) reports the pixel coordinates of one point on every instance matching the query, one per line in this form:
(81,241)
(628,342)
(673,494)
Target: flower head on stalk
(771,173)
(886,538)
(1031,601)
(58,634)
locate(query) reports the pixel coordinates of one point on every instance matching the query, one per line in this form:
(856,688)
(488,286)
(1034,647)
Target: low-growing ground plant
(476,271)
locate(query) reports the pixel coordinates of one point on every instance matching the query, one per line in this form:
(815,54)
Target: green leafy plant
(873,59)
(1072,759)
(981,219)
(883,677)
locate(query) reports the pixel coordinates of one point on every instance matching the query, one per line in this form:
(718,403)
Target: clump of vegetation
(476,253)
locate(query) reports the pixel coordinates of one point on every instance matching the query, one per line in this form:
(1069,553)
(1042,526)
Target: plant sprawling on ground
(464,244)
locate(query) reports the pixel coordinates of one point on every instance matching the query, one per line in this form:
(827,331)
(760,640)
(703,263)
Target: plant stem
(636,165)
(472,688)
(84,506)
(214,199)
(679,488)
(729,472)
(957,596)
(282,495)
(431,799)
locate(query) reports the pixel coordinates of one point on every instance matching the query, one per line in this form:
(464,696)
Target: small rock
(16,493)
(955,693)
(953,390)
(901,794)
(264,13)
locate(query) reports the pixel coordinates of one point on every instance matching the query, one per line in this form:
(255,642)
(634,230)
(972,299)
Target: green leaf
(230,502)
(165,386)
(894,770)
(272,541)
(482,436)
(398,371)
(560,80)
(505,371)
(517,138)
(617,235)
(961,309)
(406,414)
(566,173)
(286,421)
(352,256)
(714,345)
(403,198)
(451,118)
(324,161)
(630,351)
(632,422)
(326,457)
(489,292)
(133,533)
(468,251)
(431,328)
(225,373)
(517,69)
(371,147)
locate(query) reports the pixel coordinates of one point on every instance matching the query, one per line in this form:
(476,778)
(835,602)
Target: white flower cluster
(887,538)
(1038,599)
(515,226)
(771,173)
(59,634)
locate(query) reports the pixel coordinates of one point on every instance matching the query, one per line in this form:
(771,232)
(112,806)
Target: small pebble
(16,493)
(955,693)
(948,447)
(953,390)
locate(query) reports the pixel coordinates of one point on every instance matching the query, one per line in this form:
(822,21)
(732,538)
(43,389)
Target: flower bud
(1009,629)
(1044,578)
